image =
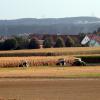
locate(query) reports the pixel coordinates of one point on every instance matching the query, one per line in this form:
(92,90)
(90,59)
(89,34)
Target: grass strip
(50,73)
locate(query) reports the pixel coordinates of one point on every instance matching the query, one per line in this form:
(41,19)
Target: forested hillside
(70,25)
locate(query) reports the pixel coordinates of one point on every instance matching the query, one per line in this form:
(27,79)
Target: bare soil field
(50,89)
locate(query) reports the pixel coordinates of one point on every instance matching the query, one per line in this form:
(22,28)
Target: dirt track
(50,89)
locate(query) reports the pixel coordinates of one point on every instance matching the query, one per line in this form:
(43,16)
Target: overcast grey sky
(14,9)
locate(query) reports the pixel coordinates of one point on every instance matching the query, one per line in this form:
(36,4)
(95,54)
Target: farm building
(92,40)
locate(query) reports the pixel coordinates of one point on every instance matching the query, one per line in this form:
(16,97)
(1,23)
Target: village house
(93,40)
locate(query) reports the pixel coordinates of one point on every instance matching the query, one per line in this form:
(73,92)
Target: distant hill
(69,25)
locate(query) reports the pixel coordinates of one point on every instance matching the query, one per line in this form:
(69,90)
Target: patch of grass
(51,72)
(84,75)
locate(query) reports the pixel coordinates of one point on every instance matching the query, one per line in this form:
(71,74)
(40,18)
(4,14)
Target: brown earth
(50,89)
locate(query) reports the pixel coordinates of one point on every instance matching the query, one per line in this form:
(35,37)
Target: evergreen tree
(59,43)
(34,44)
(22,42)
(47,43)
(10,44)
(1,45)
(69,42)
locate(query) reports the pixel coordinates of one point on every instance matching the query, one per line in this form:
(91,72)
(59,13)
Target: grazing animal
(78,62)
(61,62)
(24,64)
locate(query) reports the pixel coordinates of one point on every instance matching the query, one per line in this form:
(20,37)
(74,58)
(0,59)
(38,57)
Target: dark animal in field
(78,62)
(61,62)
(24,64)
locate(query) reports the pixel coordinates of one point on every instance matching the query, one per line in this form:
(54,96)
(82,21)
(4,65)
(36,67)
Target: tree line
(17,43)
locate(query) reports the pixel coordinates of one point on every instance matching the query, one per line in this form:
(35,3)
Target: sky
(15,9)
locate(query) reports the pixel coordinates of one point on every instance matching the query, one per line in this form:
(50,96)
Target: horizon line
(48,17)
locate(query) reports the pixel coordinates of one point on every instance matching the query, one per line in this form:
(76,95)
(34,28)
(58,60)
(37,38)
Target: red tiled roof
(94,37)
